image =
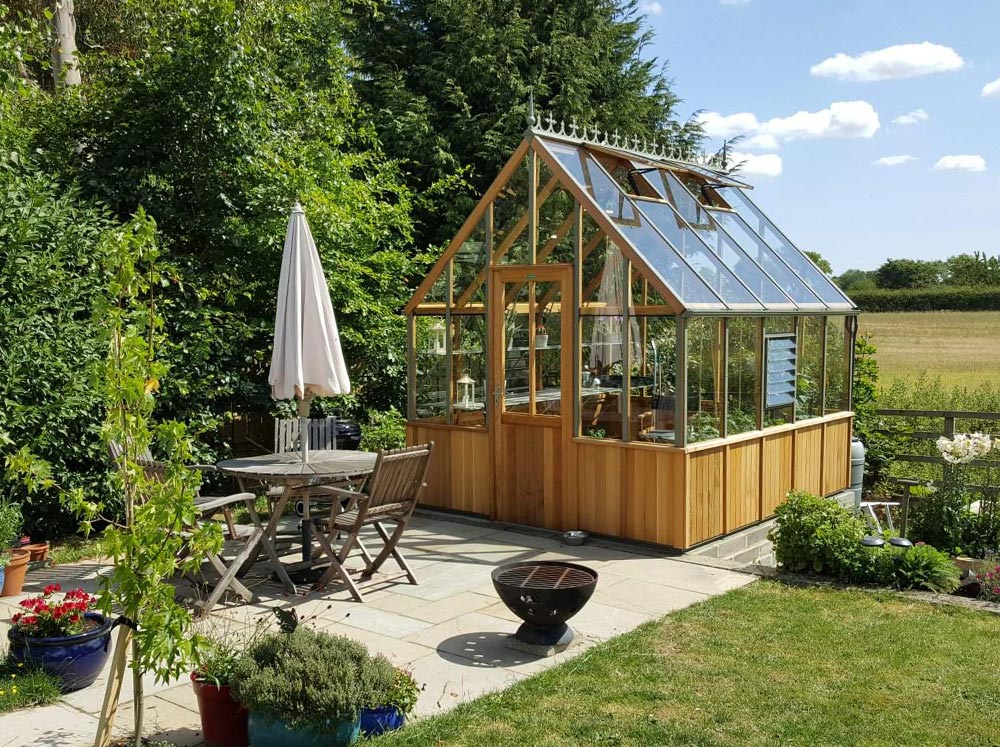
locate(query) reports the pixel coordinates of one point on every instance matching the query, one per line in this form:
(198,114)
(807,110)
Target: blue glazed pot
(267,732)
(375,721)
(76,660)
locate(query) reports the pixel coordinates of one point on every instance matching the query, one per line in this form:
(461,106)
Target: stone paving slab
(450,629)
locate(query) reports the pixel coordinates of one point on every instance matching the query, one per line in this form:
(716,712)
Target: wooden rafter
(549,247)
(506,244)
(469,226)
(589,247)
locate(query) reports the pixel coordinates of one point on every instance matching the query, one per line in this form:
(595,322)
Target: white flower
(963,448)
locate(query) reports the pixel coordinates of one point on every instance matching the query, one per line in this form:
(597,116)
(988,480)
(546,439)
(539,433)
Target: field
(962,347)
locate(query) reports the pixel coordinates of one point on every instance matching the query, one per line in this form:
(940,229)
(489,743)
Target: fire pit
(545,594)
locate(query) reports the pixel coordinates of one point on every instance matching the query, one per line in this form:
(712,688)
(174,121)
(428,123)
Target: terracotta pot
(39,551)
(13,579)
(223,720)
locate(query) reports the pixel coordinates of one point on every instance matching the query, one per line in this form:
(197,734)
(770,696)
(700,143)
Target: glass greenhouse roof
(719,252)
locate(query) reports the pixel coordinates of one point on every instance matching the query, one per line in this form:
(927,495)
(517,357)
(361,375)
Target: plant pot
(541,341)
(964,563)
(21,541)
(375,721)
(13,580)
(76,660)
(267,732)
(223,720)
(39,551)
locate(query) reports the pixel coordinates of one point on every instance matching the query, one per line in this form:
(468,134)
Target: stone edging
(798,579)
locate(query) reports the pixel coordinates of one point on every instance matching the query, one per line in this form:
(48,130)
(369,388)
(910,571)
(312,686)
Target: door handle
(496,396)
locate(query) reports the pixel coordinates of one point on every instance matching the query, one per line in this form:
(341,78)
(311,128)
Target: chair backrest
(322,434)
(399,475)
(117,452)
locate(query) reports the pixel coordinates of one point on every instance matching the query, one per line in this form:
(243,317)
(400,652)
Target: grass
(962,347)
(74,549)
(21,687)
(765,665)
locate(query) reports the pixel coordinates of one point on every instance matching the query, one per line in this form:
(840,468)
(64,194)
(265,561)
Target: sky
(872,128)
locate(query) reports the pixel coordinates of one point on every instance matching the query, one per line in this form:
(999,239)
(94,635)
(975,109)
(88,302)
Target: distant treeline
(964,282)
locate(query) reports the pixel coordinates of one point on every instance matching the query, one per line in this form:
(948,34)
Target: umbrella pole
(304,405)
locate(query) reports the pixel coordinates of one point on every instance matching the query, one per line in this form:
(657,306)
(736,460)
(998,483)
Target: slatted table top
(323,466)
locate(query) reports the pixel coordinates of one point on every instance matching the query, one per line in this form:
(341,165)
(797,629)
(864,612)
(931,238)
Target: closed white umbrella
(307,359)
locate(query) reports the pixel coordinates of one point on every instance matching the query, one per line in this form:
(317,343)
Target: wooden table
(294,476)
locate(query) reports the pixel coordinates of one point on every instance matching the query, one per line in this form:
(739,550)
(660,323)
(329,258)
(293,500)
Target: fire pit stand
(545,594)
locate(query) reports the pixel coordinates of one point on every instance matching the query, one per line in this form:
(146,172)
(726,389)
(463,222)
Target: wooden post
(113,691)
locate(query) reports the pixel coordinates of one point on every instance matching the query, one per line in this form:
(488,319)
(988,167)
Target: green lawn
(766,665)
(21,687)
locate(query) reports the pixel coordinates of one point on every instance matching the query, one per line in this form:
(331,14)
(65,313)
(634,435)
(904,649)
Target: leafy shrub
(819,535)
(384,430)
(989,581)
(942,518)
(924,567)
(310,679)
(942,298)
(404,691)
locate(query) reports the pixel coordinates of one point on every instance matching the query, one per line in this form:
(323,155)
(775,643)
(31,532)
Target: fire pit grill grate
(544,576)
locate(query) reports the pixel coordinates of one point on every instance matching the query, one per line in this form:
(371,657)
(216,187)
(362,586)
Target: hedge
(982,298)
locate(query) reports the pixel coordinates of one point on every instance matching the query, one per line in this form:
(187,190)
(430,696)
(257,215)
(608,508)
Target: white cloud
(960,163)
(911,118)
(718,125)
(899,61)
(893,160)
(840,119)
(766,164)
(653,8)
(991,89)
(761,142)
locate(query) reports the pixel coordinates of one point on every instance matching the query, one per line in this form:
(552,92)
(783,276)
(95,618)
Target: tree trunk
(65,67)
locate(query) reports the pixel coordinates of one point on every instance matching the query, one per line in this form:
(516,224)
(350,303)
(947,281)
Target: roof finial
(531,108)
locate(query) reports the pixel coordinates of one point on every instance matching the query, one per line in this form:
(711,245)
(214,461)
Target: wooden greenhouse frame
(620,341)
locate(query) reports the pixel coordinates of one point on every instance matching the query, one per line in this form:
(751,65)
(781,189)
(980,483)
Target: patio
(449,630)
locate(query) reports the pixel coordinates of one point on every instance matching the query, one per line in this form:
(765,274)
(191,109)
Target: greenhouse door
(531,362)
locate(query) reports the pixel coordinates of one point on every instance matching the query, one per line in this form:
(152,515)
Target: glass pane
(711,269)
(754,246)
(644,292)
(469,269)
(743,379)
(510,219)
(468,370)
(548,348)
(556,239)
(657,253)
(731,253)
(838,365)
(780,371)
(438,294)
(805,269)
(517,338)
(809,377)
(603,274)
(652,396)
(601,354)
(432,370)
(704,379)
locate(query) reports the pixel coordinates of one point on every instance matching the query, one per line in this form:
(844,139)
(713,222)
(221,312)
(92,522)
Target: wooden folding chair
(207,507)
(389,495)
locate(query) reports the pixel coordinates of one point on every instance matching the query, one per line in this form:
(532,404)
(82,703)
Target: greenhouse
(619,340)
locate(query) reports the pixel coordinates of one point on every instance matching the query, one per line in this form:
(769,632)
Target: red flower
(51,589)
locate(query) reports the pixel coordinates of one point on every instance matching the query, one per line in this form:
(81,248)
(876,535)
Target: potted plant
(541,336)
(62,634)
(223,720)
(396,704)
(14,561)
(307,689)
